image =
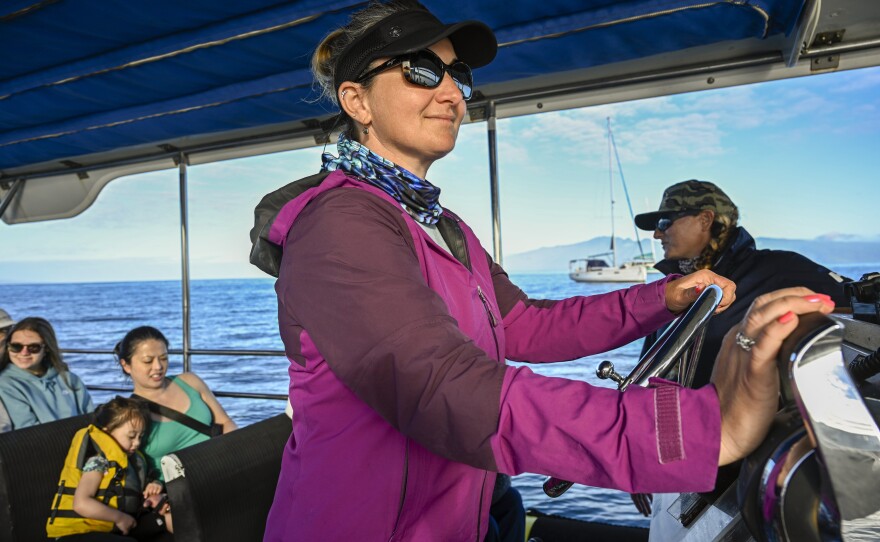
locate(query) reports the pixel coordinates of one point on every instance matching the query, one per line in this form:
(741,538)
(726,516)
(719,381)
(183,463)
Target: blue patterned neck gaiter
(418,197)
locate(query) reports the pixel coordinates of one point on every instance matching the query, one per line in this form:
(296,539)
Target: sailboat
(595,268)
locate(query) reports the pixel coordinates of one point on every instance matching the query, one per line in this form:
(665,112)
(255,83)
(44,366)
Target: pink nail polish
(815,298)
(785,318)
(699,288)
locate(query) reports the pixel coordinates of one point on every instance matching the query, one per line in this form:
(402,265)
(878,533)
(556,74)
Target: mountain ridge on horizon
(827,249)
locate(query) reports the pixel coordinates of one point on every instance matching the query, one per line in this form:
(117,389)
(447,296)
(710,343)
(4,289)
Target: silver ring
(746,343)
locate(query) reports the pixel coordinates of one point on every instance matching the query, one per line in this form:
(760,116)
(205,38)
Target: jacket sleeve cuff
(653,296)
(662,439)
(680,414)
(660,292)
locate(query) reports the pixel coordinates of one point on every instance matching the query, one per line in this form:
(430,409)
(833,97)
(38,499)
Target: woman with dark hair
(36,386)
(397,324)
(183,409)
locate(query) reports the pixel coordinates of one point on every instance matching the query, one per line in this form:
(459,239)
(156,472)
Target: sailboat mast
(611,187)
(628,201)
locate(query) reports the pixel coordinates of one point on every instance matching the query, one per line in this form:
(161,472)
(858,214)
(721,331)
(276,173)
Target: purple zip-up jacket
(403,407)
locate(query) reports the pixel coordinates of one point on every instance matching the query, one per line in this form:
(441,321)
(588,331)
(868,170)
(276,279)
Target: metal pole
(625,189)
(16,186)
(493,183)
(611,189)
(839,48)
(184,260)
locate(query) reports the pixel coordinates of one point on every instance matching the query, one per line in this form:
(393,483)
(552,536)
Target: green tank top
(169,436)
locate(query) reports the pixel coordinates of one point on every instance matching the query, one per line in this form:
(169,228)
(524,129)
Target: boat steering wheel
(683,333)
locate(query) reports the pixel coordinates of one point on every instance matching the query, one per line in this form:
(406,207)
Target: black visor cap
(410,31)
(648,221)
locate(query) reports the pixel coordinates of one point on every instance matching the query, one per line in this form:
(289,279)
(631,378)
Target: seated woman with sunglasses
(397,324)
(36,385)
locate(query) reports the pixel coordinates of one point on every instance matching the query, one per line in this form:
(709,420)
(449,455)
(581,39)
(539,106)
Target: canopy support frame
(16,186)
(184,261)
(494,195)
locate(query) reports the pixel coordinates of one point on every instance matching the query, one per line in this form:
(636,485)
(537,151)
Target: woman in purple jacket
(397,324)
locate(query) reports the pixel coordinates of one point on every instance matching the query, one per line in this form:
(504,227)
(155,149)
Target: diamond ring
(744,342)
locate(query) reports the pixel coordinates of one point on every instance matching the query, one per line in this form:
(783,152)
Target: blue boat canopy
(88,84)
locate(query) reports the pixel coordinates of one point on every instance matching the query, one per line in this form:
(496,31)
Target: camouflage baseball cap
(690,195)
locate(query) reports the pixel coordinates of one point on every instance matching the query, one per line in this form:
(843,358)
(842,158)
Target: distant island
(829,250)
(834,251)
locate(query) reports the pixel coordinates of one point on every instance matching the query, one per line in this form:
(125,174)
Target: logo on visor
(394,32)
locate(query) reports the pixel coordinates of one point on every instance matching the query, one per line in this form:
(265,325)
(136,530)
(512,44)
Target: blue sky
(799,157)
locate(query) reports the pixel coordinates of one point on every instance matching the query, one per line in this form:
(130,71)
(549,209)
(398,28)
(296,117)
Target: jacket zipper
(493,323)
(402,490)
(480,509)
(492,320)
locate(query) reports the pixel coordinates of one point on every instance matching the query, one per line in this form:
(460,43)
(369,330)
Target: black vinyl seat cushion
(225,495)
(30,463)
(228,484)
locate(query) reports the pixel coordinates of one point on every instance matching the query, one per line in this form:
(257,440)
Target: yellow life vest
(112,491)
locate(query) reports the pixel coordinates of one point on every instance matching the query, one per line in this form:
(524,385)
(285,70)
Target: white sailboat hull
(610,274)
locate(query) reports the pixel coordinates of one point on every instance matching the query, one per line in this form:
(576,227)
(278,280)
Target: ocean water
(230,314)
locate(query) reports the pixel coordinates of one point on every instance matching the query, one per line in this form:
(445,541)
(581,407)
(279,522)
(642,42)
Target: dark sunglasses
(666,222)
(36,348)
(426,69)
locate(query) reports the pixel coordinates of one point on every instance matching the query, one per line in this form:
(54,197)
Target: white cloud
(583,132)
(690,136)
(858,81)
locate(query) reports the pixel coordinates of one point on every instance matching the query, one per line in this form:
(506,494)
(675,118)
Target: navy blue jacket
(755,272)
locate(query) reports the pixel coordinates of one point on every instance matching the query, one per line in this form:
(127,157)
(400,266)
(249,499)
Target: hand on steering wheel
(683,291)
(745,373)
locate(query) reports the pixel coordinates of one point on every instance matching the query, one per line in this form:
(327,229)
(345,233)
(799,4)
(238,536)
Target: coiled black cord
(864,368)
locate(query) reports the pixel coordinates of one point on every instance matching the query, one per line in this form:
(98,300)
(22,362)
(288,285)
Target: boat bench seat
(224,493)
(225,486)
(30,463)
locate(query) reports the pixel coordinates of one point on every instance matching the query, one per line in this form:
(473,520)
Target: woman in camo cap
(698,226)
